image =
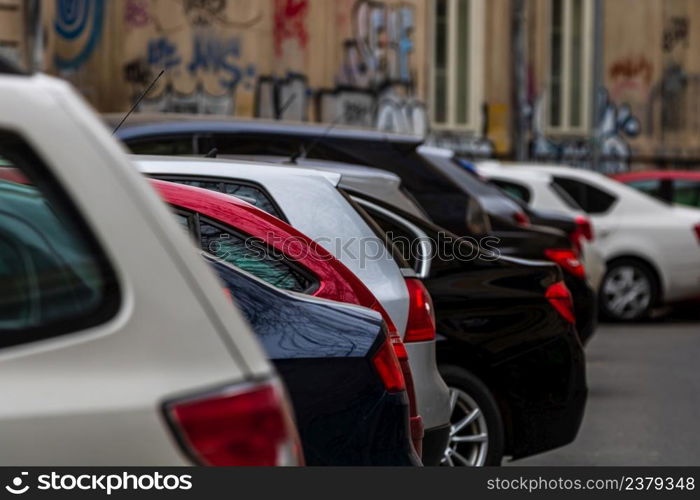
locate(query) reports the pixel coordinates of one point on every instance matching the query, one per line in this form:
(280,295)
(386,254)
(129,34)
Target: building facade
(608,84)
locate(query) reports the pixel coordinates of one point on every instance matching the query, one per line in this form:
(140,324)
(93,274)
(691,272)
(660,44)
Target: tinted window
(517,191)
(247,192)
(402,239)
(686,193)
(591,199)
(54,279)
(651,187)
(164,146)
(251,255)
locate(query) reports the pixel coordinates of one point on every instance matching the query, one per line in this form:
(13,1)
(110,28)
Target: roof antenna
(138,101)
(304,152)
(212,154)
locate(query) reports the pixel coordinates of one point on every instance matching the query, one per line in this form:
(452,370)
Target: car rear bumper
(434,443)
(546,393)
(585,307)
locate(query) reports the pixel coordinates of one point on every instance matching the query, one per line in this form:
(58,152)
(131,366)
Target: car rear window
(589,198)
(55,278)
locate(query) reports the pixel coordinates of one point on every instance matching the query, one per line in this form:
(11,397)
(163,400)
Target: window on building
(457,63)
(570,63)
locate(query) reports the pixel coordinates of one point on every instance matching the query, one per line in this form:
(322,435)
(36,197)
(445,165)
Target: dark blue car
(330,356)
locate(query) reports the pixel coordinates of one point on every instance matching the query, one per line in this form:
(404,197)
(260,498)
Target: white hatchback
(652,249)
(117,344)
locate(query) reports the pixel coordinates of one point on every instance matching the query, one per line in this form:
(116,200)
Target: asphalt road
(644,399)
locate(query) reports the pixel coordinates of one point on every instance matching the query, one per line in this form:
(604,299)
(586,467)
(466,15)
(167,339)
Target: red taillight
(583,231)
(521,219)
(585,227)
(421,314)
(697,232)
(568,260)
(560,298)
(241,426)
(387,365)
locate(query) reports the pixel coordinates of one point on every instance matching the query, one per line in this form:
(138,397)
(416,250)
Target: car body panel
(640,226)
(326,217)
(323,351)
(94,396)
(495,322)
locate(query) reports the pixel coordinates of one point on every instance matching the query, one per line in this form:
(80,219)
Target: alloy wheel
(627,292)
(469,439)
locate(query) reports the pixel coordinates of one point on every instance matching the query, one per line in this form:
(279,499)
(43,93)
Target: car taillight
(583,231)
(585,227)
(387,365)
(697,232)
(521,219)
(559,297)
(421,314)
(568,260)
(250,425)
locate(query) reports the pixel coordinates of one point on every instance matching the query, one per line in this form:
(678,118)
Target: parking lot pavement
(644,400)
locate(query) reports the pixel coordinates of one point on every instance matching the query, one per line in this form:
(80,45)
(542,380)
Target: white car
(117,344)
(535,189)
(652,249)
(310,201)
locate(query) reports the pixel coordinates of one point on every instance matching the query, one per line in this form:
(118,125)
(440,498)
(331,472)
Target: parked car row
(309,296)
(651,248)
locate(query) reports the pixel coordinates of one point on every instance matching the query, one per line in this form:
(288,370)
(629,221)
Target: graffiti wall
(265,58)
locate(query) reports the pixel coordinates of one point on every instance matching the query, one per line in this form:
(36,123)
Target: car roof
(658,174)
(170,123)
(222,167)
(489,168)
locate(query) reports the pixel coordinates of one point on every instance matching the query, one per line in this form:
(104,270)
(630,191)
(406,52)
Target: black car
(328,355)
(507,344)
(438,188)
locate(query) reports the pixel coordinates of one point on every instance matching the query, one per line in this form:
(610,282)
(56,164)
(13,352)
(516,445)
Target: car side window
(517,191)
(591,199)
(54,278)
(249,254)
(401,238)
(164,146)
(652,187)
(247,192)
(686,193)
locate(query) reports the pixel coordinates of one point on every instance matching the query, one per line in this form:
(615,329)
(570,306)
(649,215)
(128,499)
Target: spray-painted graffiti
(79,24)
(674,103)
(283,99)
(630,75)
(136,13)
(613,124)
(381,49)
(199,50)
(218,59)
(290,23)
(676,32)
(206,13)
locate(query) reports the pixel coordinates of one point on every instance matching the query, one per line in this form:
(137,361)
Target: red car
(672,186)
(241,234)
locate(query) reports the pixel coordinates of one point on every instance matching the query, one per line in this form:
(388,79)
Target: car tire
(628,292)
(480,442)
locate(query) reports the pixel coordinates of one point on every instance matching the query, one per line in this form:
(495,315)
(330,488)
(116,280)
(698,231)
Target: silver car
(313,202)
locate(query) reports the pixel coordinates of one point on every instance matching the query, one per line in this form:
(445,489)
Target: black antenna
(212,154)
(305,152)
(138,101)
